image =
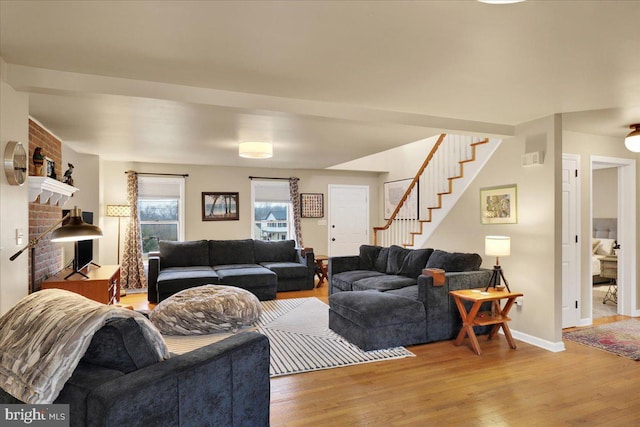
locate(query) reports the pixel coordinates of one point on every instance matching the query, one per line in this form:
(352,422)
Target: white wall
(209,178)
(605,193)
(532,267)
(14,203)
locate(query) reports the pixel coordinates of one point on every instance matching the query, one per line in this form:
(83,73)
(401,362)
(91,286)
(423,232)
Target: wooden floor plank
(446,385)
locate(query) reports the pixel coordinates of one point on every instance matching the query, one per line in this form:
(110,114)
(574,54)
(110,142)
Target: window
(161,211)
(272,210)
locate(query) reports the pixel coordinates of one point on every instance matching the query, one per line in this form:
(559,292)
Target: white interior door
(348,219)
(570,245)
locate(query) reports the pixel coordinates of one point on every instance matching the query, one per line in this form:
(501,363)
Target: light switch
(19,236)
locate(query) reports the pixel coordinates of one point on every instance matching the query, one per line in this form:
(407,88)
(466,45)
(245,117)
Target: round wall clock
(15,163)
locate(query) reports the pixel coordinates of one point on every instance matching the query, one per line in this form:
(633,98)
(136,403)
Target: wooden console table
(102,285)
(474,317)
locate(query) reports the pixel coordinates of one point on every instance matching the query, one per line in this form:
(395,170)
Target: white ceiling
(325,81)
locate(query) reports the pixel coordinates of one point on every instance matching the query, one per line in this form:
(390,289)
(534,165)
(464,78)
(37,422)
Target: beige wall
(532,267)
(14,204)
(209,178)
(605,193)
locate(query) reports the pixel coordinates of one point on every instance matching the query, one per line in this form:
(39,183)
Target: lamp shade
(75,229)
(497,245)
(632,141)
(256,150)
(119,210)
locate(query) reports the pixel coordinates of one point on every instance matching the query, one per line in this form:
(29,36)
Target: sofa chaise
(260,267)
(380,298)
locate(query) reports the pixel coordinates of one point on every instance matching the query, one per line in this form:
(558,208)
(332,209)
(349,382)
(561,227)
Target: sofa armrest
(443,319)
(340,264)
(225,383)
(306,257)
(153,270)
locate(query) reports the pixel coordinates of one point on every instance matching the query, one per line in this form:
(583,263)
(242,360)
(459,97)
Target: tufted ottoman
(376,320)
(206,309)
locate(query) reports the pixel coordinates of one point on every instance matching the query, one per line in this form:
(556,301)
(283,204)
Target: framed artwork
(393,192)
(499,205)
(311,205)
(220,206)
(49,169)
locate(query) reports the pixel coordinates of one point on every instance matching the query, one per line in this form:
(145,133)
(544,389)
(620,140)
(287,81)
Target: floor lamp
(497,246)
(74,230)
(119,211)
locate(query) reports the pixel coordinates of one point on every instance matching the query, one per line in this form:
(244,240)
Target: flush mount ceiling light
(632,141)
(500,1)
(256,150)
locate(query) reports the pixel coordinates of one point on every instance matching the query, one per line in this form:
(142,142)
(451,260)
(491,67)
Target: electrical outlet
(519,301)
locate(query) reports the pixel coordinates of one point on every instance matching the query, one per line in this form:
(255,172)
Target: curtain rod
(184,175)
(269,177)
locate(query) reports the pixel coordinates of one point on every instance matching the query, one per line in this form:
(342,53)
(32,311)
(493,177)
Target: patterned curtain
(132,269)
(295,201)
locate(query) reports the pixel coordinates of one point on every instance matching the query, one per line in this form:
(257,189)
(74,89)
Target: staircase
(450,167)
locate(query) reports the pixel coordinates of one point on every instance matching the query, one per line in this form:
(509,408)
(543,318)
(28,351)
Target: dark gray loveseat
(260,267)
(394,275)
(118,383)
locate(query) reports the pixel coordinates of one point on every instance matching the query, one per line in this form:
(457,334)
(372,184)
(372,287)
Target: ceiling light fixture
(632,141)
(256,150)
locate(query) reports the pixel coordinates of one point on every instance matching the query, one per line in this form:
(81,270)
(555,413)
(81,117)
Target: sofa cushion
(233,266)
(396,258)
(121,345)
(381,260)
(407,292)
(231,252)
(183,254)
(414,262)
(206,309)
(277,251)
(383,283)
(454,261)
(344,281)
(368,256)
(375,309)
(287,270)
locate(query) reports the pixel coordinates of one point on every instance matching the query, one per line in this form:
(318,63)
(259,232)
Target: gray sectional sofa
(260,267)
(373,296)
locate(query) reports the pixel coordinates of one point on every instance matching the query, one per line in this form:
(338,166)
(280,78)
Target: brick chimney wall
(48,255)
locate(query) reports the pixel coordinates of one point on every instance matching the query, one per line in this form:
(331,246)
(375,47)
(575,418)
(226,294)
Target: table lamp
(497,246)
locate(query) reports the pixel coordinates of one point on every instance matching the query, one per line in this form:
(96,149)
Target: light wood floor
(446,385)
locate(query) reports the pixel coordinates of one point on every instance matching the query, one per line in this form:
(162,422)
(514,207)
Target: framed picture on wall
(311,205)
(499,205)
(222,206)
(393,193)
(49,169)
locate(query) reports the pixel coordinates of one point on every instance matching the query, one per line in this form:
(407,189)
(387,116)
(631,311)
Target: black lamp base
(494,282)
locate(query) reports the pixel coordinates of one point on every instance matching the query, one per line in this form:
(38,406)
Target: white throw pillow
(595,243)
(605,247)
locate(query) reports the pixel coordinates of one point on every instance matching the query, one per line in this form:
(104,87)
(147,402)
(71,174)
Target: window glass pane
(158,210)
(152,233)
(271,220)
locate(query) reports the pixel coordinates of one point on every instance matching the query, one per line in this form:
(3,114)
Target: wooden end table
(321,268)
(498,317)
(102,284)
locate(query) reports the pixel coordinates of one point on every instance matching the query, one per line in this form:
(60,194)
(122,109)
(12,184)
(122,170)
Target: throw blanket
(44,336)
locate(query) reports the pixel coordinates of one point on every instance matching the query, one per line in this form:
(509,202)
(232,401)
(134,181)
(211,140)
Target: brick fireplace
(48,255)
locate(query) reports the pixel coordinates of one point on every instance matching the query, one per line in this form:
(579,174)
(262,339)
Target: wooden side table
(322,265)
(498,317)
(102,284)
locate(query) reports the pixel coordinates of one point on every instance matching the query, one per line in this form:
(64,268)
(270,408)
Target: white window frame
(290,225)
(181,204)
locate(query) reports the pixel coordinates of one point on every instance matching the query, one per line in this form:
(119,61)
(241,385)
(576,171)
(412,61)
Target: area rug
(300,339)
(621,338)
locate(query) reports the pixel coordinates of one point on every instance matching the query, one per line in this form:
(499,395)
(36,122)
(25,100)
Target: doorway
(624,173)
(348,219)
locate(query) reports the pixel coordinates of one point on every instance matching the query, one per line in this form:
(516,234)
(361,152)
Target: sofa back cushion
(120,345)
(414,262)
(223,252)
(279,251)
(395,259)
(368,256)
(381,261)
(183,254)
(454,261)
